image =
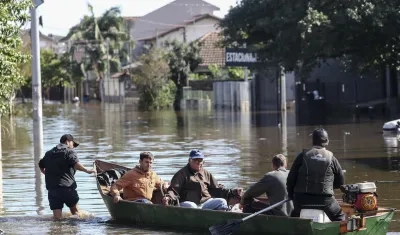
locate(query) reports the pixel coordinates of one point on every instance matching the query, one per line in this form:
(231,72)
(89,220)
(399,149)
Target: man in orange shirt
(139,183)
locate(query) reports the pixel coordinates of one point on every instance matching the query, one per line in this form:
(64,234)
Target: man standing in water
(59,166)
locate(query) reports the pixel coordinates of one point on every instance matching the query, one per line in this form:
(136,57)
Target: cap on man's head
(196,154)
(69,137)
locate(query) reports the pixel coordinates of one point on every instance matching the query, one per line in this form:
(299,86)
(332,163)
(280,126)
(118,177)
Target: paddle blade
(226,228)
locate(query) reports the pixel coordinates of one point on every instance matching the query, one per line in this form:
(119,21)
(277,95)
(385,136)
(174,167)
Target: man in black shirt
(313,177)
(59,166)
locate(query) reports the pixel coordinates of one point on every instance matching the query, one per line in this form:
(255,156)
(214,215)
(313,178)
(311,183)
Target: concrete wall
(232,95)
(114,90)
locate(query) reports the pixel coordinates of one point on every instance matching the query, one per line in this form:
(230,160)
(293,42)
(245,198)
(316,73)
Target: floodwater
(238,146)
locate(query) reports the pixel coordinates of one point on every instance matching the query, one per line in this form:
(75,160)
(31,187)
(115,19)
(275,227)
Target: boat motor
(362,196)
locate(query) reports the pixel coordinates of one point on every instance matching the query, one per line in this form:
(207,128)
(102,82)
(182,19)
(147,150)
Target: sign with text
(240,57)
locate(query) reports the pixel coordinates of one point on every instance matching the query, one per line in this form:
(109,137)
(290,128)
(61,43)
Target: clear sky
(60,15)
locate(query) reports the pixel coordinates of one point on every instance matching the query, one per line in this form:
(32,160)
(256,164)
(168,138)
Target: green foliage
(183,59)
(152,81)
(13,15)
(196,76)
(56,70)
(227,73)
(301,34)
(105,39)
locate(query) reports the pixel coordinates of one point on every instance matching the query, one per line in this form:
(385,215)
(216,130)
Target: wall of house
(175,35)
(201,28)
(193,31)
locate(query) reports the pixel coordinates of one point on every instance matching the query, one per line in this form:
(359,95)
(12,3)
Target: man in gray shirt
(273,184)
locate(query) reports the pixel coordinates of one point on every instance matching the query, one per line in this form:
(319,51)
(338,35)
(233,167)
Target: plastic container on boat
(367,187)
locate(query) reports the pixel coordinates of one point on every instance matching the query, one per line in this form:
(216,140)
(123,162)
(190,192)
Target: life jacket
(315,175)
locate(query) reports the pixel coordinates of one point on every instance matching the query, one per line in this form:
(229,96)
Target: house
(183,20)
(211,52)
(46,41)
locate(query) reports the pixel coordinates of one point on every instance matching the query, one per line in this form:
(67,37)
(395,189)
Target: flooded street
(238,146)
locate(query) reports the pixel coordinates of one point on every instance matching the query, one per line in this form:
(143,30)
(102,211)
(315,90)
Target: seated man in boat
(273,184)
(313,177)
(195,187)
(139,183)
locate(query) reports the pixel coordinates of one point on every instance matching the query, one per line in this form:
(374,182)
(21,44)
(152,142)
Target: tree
(152,80)
(13,15)
(300,34)
(55,71)
(106,40)
(183,58)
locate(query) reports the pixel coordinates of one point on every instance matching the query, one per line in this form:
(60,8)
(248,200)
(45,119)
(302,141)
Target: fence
(197,98)
(338,99)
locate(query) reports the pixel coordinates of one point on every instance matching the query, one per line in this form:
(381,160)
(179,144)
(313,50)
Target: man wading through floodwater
(59,166)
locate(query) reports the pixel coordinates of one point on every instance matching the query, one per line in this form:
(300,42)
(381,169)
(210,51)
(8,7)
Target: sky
(60,15)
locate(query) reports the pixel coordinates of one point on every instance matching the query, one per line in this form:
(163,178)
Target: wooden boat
(158,216)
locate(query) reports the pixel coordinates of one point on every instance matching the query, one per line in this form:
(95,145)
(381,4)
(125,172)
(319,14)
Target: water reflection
(1,187)
(38,188)
(284,132)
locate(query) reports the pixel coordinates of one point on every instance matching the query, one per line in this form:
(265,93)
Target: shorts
(58,196)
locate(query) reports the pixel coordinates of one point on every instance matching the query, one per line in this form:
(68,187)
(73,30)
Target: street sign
(240,57)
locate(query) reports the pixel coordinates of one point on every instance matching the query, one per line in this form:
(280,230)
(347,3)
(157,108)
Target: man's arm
(256,189)
(175,187)
(74,161)
(159,182)
(121,183)
(216,190)
(292,177)
(338,173)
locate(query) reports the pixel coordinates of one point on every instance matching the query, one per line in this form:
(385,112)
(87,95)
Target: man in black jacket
(59,166)
(313,177)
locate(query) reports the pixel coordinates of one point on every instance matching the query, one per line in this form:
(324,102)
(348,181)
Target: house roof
(170,16)
(131,18)
(50,37)
(182,25)
(210,52)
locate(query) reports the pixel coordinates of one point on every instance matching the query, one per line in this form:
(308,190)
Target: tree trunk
(10,104)
(178,97)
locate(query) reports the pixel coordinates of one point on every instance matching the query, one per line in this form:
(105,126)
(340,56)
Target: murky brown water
(239,149)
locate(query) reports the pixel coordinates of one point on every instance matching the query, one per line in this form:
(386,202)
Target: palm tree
(106,40)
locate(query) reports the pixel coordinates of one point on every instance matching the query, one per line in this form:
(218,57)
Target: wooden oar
(387,181)
(228,227)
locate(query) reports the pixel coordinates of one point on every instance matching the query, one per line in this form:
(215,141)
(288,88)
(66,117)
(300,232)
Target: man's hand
(91,171)
(240,191)
(165,186)
(116,199)
(165,201)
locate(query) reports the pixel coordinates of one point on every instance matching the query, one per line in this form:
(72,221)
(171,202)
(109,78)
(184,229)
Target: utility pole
(283,88)
(36,83)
